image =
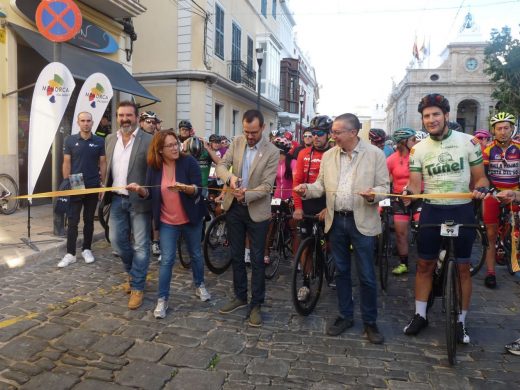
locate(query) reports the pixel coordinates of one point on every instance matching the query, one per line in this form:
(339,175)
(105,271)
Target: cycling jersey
(398,168)
(503,166)
(307,170)
(445,165)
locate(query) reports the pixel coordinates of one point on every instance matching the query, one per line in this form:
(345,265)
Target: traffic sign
(58,20)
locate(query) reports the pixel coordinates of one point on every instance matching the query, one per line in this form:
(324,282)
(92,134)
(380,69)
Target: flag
(93,98)
(51,96)
(415,50)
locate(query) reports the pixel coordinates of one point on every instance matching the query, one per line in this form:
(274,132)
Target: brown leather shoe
(136,299)
(126,285)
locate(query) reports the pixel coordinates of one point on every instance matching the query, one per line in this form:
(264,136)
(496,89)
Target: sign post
(58,21)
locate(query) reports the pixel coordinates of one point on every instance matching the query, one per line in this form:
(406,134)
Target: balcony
(239,73)
(117,8)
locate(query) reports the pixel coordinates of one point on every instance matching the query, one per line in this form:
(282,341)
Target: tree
(502,57)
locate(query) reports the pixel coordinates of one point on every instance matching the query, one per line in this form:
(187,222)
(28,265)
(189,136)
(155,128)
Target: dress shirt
(344,197)
(247,161)
(121,161)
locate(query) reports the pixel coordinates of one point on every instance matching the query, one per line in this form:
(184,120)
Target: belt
(344,213)
(120,195)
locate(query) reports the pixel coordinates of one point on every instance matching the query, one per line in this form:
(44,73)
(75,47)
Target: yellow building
(201,60)
(103,45)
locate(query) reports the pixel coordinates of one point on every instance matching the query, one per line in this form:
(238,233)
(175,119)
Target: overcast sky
(358,47)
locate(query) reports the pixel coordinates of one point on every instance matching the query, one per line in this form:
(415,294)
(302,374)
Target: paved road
(70,328)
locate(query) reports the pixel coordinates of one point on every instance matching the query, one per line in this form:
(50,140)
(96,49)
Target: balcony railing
(239,73)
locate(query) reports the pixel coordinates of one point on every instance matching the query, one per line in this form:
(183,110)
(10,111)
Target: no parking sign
(58,20)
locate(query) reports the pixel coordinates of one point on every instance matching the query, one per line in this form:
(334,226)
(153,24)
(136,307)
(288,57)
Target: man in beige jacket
(350,174)
(254,161)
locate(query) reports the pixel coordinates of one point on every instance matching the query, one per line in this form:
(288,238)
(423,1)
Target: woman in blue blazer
(173,182)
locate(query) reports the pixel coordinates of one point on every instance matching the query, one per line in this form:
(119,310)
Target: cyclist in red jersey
(399,171)
(502,166)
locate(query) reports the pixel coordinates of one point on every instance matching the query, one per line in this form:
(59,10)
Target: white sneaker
(159,258)
(88,256)
(67,259)
(156,249)
(160,309)
(202,293)
(247,256)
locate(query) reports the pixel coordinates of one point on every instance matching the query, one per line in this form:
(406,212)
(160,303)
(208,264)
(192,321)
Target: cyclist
(502,165)
(306,171)
(447,161)
(484,138)
(399,171)
(377,138)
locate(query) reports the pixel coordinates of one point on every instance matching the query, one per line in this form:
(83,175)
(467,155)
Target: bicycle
(8,193)
(446,281)
(312,262)
(216,246)
(279,248)
(384,243)
(503,241)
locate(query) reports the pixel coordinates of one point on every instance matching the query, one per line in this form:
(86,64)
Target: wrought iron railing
(240,73)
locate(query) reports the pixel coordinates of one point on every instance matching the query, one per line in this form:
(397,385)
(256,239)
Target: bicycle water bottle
(440,261)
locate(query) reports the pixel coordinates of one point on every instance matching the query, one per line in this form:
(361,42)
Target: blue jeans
(169,237)
(343,233)
(124,222)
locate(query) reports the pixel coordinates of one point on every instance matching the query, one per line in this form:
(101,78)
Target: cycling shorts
(491,210)
(429,239)
(402,213)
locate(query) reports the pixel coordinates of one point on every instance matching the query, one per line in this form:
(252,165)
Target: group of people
(164,178)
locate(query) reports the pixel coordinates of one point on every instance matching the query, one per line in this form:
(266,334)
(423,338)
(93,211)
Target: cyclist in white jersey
(446,162)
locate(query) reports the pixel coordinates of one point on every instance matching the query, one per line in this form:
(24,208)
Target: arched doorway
(467,115)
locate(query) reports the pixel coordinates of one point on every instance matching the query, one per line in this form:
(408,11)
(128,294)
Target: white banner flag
(94,98)
(51,96)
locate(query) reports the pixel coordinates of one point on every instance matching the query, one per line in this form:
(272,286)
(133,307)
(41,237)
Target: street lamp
(259,60)
(302,100)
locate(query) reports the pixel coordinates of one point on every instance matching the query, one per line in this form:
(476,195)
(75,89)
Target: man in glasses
(502,165)
(351,174)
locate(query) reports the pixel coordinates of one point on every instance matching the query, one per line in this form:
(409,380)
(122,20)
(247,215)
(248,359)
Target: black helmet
(454,126)
(434,100)
(377,135)
(321,122)
(194,147)
(186,124)
(214,138)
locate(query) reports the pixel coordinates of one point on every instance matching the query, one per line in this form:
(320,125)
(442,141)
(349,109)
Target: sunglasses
(307,136)
(150,121)
(484,138)
(319,133)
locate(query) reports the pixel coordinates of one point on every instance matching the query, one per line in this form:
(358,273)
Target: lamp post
(259,60)
(302,100)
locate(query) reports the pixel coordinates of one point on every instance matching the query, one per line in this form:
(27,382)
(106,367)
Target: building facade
(460,78)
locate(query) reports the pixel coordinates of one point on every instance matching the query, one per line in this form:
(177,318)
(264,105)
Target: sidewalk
(13,228)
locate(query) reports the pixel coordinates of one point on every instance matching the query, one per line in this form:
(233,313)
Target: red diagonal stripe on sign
(57,18)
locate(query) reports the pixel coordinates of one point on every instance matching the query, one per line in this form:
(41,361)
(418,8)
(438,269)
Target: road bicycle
(280,247)
(446,281)
(216,246)
(8,193)
(312,262)
(504,235)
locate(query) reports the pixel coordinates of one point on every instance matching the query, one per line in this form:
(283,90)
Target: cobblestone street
(70,328)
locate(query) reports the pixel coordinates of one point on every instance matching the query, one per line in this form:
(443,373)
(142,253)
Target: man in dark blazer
(130,215)
(254,161)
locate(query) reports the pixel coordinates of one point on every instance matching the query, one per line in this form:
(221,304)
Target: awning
(82,63)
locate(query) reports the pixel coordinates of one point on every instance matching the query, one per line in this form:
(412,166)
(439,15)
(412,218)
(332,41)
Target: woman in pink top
(173,182)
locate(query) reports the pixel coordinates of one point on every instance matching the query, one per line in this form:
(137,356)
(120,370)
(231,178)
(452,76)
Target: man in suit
(126,152)
(350,174)
(253,160)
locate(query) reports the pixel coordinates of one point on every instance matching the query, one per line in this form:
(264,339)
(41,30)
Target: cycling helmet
(502,117)
(482,134)
(454,126)
(321,122)
(186,124)
(402,133)
(194,146)
(282,143)
(214,138)
(148,115)
(434,100)
(420,135)
(377,135)
(287,134)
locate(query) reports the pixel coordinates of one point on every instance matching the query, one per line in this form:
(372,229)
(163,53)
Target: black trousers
(89,204)
(239,223)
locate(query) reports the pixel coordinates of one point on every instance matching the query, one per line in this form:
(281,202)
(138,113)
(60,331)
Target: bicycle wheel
(307,259)
(452,302)
(478,252)
(217,252)
(276,252)
(104,217)
(384,253)
(8,187)
(183,253)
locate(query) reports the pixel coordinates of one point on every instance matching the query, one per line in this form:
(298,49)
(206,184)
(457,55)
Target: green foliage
(214,361)
(502,57)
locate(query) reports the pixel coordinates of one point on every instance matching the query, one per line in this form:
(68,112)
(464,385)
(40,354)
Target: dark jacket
(187,171)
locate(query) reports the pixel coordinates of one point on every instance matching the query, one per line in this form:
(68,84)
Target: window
(249,54)
(264,8)
(235,121)
(273,11)
(219,31)
(218,109)
(236,74)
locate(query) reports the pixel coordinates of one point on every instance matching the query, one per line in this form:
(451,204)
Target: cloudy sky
(357,48)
